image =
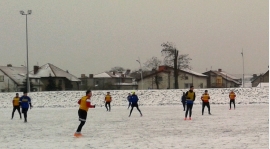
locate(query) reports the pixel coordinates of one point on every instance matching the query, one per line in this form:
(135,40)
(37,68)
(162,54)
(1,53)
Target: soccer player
(205,99)
(25,101)
(190,95)
(128,99)
(85,104)
(232,99)
(107,100)
(134,103)
(183,100)
(16,105)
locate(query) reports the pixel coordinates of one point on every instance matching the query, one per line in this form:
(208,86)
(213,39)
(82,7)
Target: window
(160,78)
(187,85)
(1,78)
(201,85)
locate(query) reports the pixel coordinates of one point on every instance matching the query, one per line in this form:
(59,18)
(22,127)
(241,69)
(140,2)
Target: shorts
(82,115)
(24,110)
(134,105)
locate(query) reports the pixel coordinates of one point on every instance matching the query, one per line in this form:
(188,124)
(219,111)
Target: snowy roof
(226,76)
(17,74)
(125,84)
(102,75)
(184,70)
(51,70)
(193,72)
(110,75)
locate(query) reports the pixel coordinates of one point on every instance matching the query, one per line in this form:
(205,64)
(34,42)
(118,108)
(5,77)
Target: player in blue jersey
(134,103)
(25,101)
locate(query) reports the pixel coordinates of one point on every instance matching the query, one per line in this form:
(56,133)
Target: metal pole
(141,75)
(243,68)
(28,83)
(27,77)
(141,71)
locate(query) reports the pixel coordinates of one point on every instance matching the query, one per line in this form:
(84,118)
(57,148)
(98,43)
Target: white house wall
(164,84)
(7,84)
(192,79)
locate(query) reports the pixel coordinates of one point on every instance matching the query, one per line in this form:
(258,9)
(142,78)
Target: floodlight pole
(243,69)
(27,77)
(141,70)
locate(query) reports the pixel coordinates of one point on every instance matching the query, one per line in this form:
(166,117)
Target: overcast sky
(92,36)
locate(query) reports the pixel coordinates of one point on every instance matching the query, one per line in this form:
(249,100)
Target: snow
(147,97)
(51,70)
(53,121)
(193,72)
(102,75)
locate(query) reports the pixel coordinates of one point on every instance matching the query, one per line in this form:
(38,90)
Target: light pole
(141,70)
(27,77)
(243,69)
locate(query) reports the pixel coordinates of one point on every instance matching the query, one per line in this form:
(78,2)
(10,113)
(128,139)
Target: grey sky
(91,36)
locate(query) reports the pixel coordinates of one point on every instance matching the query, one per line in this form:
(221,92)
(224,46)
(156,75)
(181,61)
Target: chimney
(82,75)
(219,70)
(91,76)
(113,72)
(122,75)
(161,68)
(36,69)
(254,75)
(9,65)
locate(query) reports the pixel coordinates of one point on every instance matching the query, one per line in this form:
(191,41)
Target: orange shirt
(232,95)
(205,97)
(16,101)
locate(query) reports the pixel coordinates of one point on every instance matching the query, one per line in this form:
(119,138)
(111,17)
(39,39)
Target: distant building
(163,78)
(63,80)
(262,78)
(13,79)
(108,81)
(221,79)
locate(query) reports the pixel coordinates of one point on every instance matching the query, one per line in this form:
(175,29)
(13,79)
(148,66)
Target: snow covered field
(53,121)
(161,127)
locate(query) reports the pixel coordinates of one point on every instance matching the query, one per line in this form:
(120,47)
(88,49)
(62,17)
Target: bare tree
(153,65)
(117,69)
(173,59)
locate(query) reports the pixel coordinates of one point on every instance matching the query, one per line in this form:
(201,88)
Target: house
(221,79)
(163,78)
(13,79)
(262,78)
(109,81)
(54,78)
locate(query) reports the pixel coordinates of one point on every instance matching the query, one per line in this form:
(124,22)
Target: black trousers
(189,109)
(135,105)
(207,105)
(108,104)
(232,101)
(24,111)
(184,105)
(82,117)
(14,109)
(129,104)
